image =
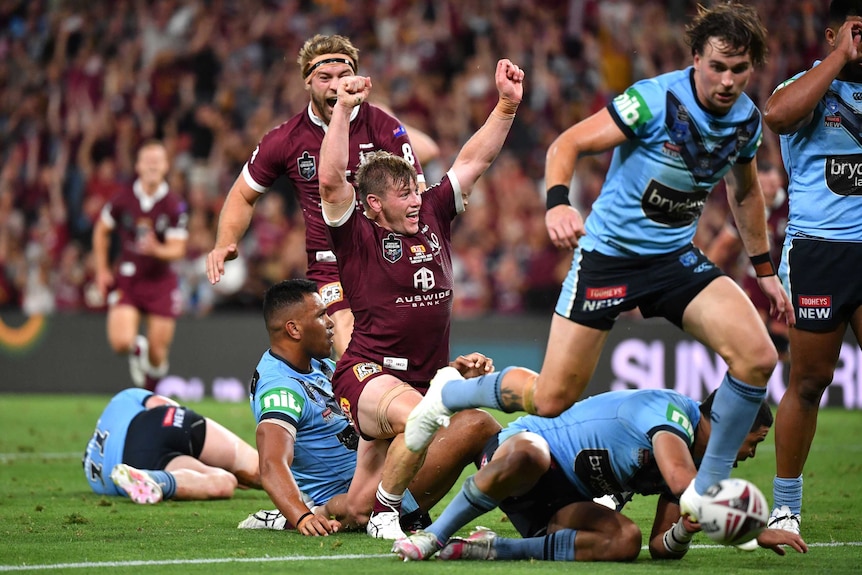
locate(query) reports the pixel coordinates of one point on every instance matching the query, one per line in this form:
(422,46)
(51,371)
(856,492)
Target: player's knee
(623,544)
(754,363)
(221,485)
(527,463)
(810,387)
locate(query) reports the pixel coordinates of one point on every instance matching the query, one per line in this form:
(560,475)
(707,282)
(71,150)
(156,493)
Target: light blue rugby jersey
(658,180)
(105,448)
(823,161)
(602,442)
(325,450)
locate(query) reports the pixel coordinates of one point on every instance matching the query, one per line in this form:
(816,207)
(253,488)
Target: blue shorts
(531,512)
(598,288)
(823,280)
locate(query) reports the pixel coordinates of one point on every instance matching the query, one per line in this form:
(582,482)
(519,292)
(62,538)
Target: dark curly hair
(737,25)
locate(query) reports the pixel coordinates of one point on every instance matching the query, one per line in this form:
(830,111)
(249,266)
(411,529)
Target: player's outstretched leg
(430,413)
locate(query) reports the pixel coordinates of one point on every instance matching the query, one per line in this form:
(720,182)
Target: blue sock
(558,546)
(787,492)
(166,481)
(482,391)
(469,504)
(733,411)
(408,503)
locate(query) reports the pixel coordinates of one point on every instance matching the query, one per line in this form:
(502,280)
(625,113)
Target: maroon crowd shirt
(293,149)
(146,282)
(400,290)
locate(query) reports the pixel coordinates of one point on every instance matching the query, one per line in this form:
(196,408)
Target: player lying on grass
(308,447)
(149,448)
(544,472)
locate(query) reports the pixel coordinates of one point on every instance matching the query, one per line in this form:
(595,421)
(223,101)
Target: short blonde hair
(381,170)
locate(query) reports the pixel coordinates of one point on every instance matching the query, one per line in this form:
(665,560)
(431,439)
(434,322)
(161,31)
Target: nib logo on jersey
(814,307)
(672,207)
(604,297)
(844,175)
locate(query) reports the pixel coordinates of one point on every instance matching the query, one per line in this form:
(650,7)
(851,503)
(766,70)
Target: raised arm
(484,146)
(337,196)
(792,105)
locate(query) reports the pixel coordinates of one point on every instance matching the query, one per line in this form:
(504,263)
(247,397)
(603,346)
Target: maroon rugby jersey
(131,213)
(400,289)
(293,148)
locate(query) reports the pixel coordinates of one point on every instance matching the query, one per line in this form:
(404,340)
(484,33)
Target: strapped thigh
(383,406)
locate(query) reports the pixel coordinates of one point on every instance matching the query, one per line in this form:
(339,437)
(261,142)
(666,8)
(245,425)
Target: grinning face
(323,85)
(398,208)
(721,74)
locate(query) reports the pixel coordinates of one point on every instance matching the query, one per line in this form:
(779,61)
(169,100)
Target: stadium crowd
(82,84)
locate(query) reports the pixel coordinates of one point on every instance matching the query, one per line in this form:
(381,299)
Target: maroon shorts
(325,275)
(159,297)
(348,383)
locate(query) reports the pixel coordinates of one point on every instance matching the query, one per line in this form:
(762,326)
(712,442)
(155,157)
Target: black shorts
(531,512)
(824,280)
(598,287)
(158,435)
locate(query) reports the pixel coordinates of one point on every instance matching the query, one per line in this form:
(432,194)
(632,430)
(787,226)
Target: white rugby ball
(733,511)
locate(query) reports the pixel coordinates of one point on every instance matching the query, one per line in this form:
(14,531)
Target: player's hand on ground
(510,81)
(565,226)
(473,364)
(353,90)
(775,538)
(318,526)
(780,306)
(216,259)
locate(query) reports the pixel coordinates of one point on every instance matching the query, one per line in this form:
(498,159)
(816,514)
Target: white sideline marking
(114,564)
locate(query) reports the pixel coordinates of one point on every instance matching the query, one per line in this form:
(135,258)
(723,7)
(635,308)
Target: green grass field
(50,521)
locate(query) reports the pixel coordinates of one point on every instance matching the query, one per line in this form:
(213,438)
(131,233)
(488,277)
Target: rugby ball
(733,511)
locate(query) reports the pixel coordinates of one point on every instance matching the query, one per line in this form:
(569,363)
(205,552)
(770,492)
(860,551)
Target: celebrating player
(151,224)
(293,149)
(396,268)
